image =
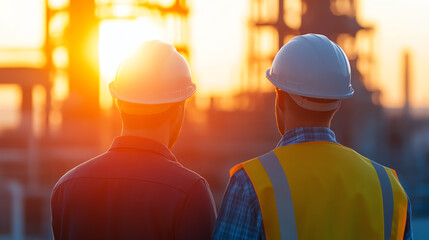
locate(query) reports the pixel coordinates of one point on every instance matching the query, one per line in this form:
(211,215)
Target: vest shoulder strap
(234,169)
(282,195)
(387,196)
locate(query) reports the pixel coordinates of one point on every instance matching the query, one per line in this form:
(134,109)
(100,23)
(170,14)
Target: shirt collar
(142,144)
(307,134)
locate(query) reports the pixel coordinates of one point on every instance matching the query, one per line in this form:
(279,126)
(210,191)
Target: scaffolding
(268,32)
(70,58)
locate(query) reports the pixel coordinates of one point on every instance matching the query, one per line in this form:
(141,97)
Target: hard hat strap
(314,106)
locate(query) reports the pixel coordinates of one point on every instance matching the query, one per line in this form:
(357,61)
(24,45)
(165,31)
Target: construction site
(66,116)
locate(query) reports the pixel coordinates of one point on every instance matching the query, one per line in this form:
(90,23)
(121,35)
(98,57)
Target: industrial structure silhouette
(213,139)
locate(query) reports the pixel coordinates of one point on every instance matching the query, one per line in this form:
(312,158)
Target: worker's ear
(280,111)
(339,105)
(280,101)
(336,110)
(176,122)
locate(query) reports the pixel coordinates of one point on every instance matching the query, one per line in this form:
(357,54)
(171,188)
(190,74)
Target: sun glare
(117,38)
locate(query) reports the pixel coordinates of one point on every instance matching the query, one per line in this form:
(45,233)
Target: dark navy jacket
(136,190)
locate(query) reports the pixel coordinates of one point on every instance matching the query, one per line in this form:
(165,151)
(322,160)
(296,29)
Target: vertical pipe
(280,24)
(84,66)
(18,223)
(48,67)
(406,62)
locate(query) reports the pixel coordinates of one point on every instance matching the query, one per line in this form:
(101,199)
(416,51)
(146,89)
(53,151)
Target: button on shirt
(240,214)
(136,190)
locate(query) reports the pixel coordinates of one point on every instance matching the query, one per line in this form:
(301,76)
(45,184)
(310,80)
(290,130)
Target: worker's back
(136,190)
(311,187)
(336,193)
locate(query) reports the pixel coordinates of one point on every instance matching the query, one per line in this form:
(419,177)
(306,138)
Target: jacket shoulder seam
(128,179)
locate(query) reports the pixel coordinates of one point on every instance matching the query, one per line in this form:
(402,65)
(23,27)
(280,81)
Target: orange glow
(28,58)
(58,4)
(60,57)
(57,26)
(399,25)
(39,103)
(166,3)
(22,37)
(117,38)
(9,107)
(293,10)
(60,89)
(123,10)
(217,45)
(268,42)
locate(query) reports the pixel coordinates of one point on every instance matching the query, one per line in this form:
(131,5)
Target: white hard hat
(155,73)
(312,66)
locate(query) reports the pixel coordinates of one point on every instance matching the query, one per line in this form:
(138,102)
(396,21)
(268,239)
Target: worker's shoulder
(238,169)
(365,163)
(325,149)
(294,149)
(312,148)
(316,147)
(187,178)
(78,171)
(140,169)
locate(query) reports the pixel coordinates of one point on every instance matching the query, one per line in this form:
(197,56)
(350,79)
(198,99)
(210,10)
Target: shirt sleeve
(408,233)
(198,216)
(240,215)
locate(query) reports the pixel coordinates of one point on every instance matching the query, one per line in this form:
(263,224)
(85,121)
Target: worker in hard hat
(310,186)
(138,189)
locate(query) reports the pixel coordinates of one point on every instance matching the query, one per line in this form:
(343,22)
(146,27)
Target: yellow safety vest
(323,190)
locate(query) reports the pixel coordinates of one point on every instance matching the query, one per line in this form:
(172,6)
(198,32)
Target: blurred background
(58,56)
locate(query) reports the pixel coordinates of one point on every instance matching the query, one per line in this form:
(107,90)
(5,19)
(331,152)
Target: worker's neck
(161,134)
(296,123)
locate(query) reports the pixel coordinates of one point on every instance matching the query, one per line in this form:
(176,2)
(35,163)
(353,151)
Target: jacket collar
(134,143)
(307,134)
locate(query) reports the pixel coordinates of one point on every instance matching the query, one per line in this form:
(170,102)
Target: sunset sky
(400,25)
(218,42)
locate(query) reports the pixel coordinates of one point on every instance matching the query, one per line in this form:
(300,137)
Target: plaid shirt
(240,214)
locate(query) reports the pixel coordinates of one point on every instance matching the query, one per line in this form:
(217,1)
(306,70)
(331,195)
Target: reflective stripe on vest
(386,191)
(282,195)
(284,204)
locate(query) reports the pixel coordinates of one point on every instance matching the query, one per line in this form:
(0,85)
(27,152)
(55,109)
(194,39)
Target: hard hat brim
(302,93)
(143,109)
(181,96)
(314,106)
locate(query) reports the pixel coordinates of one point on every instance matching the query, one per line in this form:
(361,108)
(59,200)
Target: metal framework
(131,9)
(71,29)
(334,18)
